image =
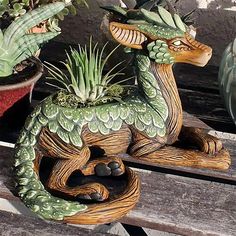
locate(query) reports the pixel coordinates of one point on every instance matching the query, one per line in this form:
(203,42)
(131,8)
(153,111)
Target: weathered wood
(183,205)
(208,107)
(12,224)
(229,175)
(221,176)
(197,78)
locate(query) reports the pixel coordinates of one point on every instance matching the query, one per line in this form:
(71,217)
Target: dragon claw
(112,168)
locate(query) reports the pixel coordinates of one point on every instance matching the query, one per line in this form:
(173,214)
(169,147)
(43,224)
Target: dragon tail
(39,200)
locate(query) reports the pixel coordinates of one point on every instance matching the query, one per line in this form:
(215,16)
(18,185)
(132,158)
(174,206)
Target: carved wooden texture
(70,159)
(14,224)
(154,152)
(169,202)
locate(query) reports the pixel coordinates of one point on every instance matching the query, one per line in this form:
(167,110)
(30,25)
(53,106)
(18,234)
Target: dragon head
(162,35)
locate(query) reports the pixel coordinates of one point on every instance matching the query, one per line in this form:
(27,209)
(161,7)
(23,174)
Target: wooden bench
(184,201)
(177,200)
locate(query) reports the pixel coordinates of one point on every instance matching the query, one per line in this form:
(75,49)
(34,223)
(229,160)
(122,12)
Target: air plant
(85,78)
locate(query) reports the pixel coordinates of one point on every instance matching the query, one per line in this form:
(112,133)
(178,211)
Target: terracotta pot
(10,94)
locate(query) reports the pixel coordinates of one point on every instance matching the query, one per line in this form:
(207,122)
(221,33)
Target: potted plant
(169,5)
(54,129)
(10,10)
(227,78)
(18,71)
(142,121)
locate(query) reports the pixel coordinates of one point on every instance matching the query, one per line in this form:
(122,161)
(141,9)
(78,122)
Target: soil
(65,99)
(22,72)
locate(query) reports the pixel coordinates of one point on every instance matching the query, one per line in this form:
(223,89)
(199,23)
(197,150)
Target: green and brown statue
(89,116)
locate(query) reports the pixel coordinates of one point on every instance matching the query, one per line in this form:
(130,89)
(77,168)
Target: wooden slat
(185,206)
(197,78)
(220,176)
(13,224)
(208,107)
(169,203)
(229,175)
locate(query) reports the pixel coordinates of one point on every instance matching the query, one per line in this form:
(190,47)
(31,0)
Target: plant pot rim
(32,80)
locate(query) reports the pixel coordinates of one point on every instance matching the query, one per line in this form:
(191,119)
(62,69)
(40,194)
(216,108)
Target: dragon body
(144,124)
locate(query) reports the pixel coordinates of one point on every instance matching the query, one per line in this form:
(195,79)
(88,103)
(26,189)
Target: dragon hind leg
(104,166)
(58,180)
(70,159)
(152,151)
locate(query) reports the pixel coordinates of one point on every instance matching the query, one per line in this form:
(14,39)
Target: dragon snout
(200,55)
(207,50)
(204,56)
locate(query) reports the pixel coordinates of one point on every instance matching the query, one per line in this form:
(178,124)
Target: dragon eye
(177,43)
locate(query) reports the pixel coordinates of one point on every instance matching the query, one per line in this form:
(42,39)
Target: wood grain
(185,206)
(116,208)
(12,224)
(177,204)
(229,175)
(70,159)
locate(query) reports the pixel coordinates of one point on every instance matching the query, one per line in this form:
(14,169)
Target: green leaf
(53,126)
(65,123)
(152,16)
(179,23)
(166,17)
(139,125)
(102,114)
(29,44)
(117,124)
(151,131)
(93,126)
(19,27)
(115,9)
(103,129)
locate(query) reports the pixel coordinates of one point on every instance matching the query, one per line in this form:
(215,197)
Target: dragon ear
(127,35)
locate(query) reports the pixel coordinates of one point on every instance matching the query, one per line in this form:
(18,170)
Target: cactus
(16,45)
(10,10)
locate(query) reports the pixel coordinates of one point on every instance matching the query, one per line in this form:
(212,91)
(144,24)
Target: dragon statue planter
(144,125)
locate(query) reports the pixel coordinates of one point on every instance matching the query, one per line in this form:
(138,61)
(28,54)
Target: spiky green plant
(16,45)
(85,77)
(11,9)
(169,5)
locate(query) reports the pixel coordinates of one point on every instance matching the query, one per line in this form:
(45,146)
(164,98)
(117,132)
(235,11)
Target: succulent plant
(85,78)
(169,5)
(16,44)
(227,78)
(11,9)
